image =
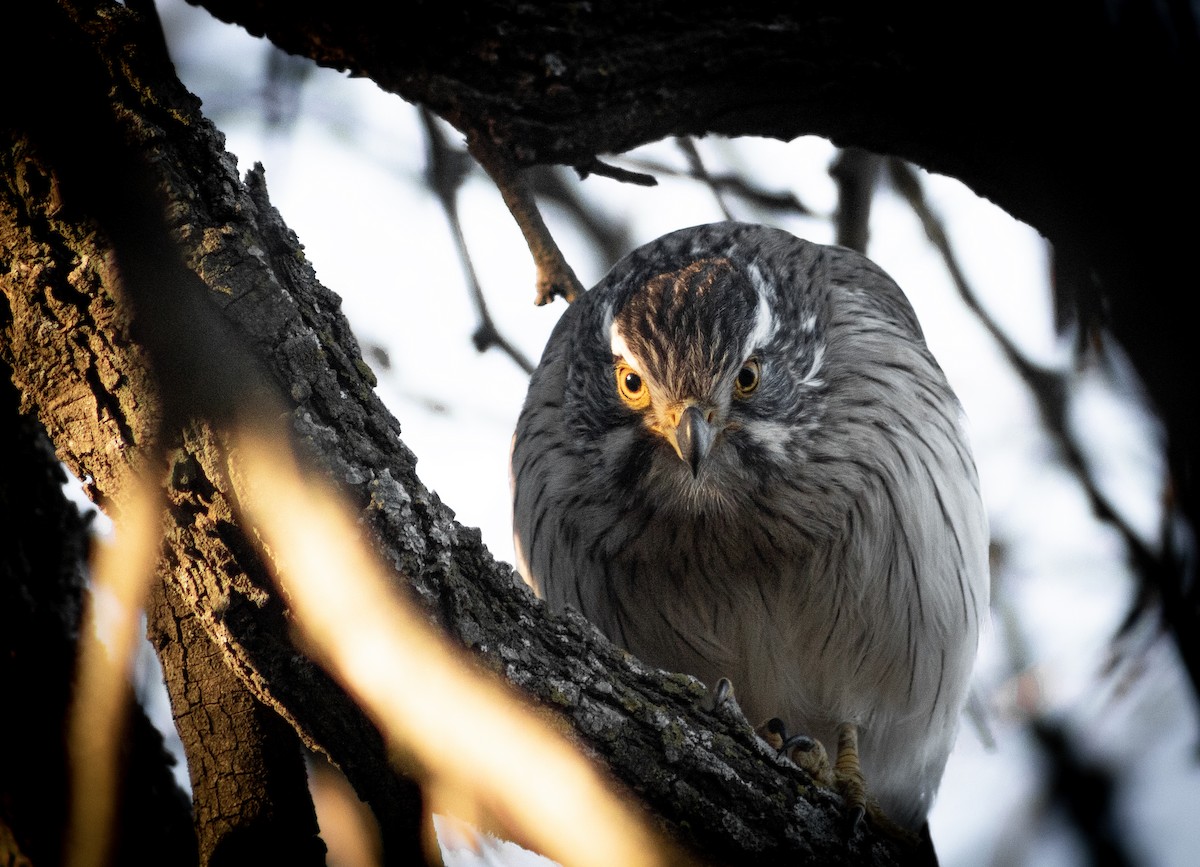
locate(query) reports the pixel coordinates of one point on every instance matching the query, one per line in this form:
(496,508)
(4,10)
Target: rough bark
(249,782)
(79,368)
(81,365)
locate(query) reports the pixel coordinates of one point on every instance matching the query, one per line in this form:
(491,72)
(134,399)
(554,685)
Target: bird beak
(693,437)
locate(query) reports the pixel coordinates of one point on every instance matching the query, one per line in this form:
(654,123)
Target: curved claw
(809,754)
(802,743)
(718,696)
(803,751)
(854,819)
(774,732)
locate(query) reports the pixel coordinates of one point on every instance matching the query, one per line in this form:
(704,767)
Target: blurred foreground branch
(470,741)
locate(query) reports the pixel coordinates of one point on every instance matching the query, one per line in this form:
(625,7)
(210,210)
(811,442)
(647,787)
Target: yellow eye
(747,378)
(631,387)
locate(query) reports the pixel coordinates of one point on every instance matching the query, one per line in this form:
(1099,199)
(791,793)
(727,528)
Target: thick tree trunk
(77,365)
(43,540)
(41,584)
(249,783)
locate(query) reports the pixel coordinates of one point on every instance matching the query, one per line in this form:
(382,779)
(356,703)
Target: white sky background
(347,179)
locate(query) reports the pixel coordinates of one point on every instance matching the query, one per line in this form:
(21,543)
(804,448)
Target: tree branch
(445,170)
(249,785)
(555,278)
(41,595)
(855,171)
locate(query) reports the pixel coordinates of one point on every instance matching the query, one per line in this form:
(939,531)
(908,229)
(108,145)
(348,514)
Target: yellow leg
(848,775)
(849,781)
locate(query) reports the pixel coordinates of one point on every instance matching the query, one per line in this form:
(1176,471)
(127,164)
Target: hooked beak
(693,437)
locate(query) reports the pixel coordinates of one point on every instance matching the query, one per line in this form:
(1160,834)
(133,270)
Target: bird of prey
(739,459)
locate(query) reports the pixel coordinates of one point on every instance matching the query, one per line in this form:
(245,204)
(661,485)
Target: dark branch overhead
(1024,104)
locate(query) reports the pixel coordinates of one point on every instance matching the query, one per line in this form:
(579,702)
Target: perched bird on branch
(739,459)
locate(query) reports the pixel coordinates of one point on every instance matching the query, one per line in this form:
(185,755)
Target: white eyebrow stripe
(620,349)
(764,321)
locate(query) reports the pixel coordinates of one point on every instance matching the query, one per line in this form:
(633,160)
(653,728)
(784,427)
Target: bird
(738,458)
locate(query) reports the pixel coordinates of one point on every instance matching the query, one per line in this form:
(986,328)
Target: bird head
(680,355)
(701,389)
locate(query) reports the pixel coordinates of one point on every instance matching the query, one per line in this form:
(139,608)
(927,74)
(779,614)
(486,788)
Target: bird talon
(809,754)
(801,743)
(805,752)
(774,732)
(845,776)
(849,782)
(719,695)
(848,776)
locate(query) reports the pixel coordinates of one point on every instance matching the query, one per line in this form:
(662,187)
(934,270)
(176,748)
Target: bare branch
(605,170)
(555,277)
(779,202)
(445,170)
(698,170)
(609,238)
(420,690)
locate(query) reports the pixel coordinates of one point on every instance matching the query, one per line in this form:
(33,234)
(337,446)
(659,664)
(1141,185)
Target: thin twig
(608,237)
(445,171)
(555,277)
(595,167)
(734,184)
(687,144)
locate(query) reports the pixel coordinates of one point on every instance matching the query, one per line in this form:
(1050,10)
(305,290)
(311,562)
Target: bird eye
(631,387)
(747,378)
